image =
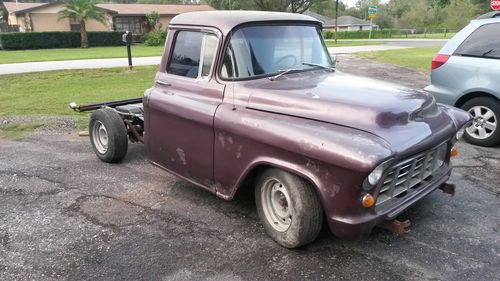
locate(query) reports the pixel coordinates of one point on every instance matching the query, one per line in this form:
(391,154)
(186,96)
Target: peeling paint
(307,145)
(333,190)
(221,139)
(182,156)
(312,165)
(238,151)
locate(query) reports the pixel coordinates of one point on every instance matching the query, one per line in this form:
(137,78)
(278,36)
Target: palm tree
(81,11)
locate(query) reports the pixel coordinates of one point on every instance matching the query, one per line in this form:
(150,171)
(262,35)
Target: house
(39,17)
(345,23)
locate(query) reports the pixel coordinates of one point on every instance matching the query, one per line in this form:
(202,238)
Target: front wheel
(485,129)
(288,207)
(108,135)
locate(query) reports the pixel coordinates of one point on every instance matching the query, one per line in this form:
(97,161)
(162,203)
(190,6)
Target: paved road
(411,42)
(64,215)
(15,68)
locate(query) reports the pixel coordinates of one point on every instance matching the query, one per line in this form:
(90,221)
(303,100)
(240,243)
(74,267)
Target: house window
(128,23)
(74,24)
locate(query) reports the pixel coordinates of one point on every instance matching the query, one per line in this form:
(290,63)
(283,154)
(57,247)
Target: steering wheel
(280,63)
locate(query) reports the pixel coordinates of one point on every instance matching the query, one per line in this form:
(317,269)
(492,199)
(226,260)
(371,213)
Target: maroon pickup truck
(253,100)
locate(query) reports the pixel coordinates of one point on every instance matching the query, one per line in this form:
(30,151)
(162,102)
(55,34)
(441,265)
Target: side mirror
(334,62)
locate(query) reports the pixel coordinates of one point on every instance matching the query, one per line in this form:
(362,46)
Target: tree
(327,7)
(81,11)
(294,6)
(153,19)
(231,4)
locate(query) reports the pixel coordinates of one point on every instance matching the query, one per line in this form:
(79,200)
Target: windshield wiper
(319,65)
(283,72)
(488,52)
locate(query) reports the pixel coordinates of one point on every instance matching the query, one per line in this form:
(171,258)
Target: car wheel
(485,129)
(288,207)
(108,135)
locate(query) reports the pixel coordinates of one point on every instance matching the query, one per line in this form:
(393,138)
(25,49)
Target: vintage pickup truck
(252,100)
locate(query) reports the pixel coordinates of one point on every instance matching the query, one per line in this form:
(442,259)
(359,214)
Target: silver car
(466,74)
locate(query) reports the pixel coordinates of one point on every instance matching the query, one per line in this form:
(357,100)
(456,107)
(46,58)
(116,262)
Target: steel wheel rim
(100,137)
(276,205)
(484,124)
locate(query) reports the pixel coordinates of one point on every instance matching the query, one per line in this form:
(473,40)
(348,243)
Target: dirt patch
(383,71)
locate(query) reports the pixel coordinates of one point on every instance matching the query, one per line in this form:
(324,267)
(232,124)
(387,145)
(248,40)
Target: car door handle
(166,84)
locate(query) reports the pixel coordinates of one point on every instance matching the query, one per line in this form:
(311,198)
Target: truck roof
(225,21)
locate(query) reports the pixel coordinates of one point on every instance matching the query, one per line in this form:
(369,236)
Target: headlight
(374,177)
(460,133)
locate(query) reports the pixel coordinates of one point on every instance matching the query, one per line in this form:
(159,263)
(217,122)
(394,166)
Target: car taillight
(439,60)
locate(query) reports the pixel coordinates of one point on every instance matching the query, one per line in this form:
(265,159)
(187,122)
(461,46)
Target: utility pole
(336,19)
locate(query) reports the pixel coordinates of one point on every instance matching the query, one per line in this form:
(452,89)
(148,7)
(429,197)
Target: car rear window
(484,42)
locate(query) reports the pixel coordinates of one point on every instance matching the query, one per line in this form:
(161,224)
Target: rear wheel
(288,207)
(485,129)
(108,135)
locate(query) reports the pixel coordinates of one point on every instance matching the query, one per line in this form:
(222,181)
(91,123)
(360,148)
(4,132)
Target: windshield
(266,50)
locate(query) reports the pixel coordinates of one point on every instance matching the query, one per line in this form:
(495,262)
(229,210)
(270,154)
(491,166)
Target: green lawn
(48,93)
(138,50)
(331,43)
(416,58)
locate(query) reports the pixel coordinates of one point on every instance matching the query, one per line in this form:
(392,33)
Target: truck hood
(401,116)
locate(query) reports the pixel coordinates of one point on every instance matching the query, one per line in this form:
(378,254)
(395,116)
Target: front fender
(329,156)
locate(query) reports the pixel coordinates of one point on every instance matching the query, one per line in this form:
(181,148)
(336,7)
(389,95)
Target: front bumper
(360,226)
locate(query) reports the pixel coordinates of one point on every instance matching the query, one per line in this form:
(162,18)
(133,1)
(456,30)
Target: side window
(193,54)
(484,42)
(208,53)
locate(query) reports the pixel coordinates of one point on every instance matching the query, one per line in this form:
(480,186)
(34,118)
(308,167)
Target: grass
(138,50)
(415,58)
(48,93)
(18,130)
(331,43)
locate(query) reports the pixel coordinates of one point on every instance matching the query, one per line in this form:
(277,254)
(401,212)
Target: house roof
(343,20)
(143,9)
(120,9)
(13,7)
(350,20)
(225,21)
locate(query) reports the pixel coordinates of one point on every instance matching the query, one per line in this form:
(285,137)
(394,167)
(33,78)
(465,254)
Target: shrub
(155,38)
(383,33)
(328,34)
(48,40)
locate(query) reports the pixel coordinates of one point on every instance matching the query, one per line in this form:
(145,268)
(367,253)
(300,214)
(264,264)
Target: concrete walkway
(15,68)
(367,48)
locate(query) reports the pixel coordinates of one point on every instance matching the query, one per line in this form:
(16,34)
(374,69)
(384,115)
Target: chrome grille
(410,172)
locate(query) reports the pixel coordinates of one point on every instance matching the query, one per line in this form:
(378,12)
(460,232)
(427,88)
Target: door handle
(166,84)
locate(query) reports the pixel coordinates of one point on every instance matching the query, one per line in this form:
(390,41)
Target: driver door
(182,106)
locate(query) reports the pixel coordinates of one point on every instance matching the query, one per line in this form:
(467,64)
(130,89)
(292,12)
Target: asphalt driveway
(64,215)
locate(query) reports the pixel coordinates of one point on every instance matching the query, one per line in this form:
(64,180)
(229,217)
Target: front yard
(415,58)
(48,93)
